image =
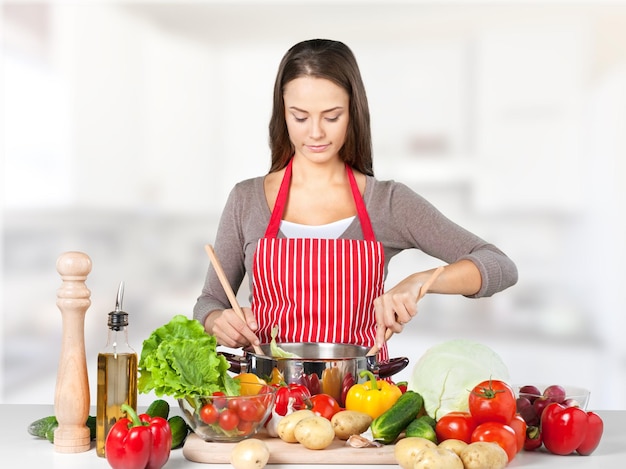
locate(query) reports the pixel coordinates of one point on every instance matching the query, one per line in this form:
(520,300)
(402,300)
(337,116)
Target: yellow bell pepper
(276,377)
(372,397)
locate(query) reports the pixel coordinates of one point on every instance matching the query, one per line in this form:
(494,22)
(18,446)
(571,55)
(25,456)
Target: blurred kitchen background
(125,125)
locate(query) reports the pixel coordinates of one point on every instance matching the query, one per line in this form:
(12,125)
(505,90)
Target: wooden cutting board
(198,450)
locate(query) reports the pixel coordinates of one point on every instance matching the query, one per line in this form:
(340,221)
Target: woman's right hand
(230,330)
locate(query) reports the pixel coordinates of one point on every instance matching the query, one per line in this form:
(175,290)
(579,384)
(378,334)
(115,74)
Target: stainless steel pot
(327,368)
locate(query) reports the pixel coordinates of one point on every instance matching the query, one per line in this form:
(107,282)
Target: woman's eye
(299,119)
(332,119)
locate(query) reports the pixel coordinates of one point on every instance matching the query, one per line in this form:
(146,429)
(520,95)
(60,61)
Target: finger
(250,318)
(232,330)
(404,308)
(380,323)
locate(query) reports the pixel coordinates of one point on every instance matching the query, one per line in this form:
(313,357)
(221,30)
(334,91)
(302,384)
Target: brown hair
(334,61)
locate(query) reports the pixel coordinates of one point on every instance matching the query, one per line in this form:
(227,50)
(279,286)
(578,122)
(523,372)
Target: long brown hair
(334,61)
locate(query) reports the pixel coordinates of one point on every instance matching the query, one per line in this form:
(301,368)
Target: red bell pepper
(595,428)
(298,393)
(138,442)
(568,429)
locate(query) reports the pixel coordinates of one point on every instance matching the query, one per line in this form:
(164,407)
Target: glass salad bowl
(229,418)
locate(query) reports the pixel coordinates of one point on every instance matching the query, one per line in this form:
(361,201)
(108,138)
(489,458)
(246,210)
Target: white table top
(19,449)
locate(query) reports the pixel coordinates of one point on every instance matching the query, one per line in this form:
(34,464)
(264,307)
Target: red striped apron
(318,290)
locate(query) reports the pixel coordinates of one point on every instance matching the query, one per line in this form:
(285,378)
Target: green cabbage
(445,374)
(180,359)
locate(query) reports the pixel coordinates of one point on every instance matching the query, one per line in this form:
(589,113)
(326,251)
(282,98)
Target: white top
(329,231)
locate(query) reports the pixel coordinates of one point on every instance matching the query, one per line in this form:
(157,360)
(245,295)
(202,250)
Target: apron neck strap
(281,202)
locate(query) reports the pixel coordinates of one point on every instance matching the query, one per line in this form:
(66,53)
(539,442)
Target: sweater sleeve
(241,224)
(403,220)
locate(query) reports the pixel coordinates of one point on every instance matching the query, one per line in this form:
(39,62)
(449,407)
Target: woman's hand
(230,330)
(396,307)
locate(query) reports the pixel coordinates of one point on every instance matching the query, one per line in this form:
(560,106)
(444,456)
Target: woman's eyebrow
(336,108)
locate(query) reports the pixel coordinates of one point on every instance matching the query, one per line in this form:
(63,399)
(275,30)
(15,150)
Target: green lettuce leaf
(275,350)
(180,359)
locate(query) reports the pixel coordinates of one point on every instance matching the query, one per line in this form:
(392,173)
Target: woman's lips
(318,148)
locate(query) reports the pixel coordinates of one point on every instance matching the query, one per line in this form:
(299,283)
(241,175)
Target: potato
(437,458)
(484,455)
(453,445)
(288,423)
(314,432)
(350,422)
(250,454)
(406,450)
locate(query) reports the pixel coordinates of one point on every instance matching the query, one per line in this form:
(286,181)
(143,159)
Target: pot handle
(238,364)
(387,368)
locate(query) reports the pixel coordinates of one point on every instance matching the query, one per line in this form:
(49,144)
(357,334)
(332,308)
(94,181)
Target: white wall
(126,125)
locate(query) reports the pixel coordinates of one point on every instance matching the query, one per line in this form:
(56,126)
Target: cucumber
(40,427)
(159,408)
(180,430)
(422,428)
(91,423)
(45,427)
(387,427)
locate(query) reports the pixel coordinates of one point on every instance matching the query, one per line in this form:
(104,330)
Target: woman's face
(317,116)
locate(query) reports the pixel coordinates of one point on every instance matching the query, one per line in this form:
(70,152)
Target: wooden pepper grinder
(71,398)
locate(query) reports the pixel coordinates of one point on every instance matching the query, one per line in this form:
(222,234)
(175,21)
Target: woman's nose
(317,129)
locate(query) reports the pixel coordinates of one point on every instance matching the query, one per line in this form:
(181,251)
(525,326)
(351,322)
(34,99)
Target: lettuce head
(446,373)
(180,359)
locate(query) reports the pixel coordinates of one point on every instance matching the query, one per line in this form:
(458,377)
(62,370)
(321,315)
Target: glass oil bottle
(117,374)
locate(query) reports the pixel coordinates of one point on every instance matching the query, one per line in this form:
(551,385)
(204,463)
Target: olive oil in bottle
(117,374)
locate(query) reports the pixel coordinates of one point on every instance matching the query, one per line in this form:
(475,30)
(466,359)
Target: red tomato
(499,433)
(492,401)
(455,425)
(245,426)
(518,424)
(228,419)
(233,404)
(251,410)
(218,399)
(209,414)
(324,405)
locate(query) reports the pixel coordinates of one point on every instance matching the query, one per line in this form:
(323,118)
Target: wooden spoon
(423,290)
(228,289)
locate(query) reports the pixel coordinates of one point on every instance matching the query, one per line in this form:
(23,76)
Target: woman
(316,234)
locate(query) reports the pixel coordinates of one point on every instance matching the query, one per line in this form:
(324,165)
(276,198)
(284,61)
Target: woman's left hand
(396,307)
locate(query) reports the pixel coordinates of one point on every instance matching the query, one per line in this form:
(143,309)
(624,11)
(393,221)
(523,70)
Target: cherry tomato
(455,425)
(499,433)
(228,419)
(233,404)
(324,405)
(218,399)
(245,426)
(518,424)
(251,410)
(492,401)
(209,414)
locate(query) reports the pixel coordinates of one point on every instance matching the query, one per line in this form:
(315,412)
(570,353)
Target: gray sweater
(401,220)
